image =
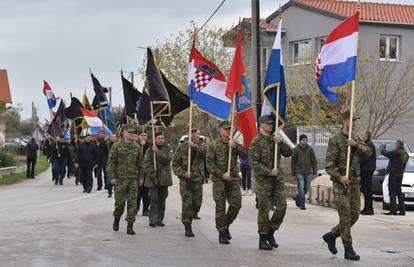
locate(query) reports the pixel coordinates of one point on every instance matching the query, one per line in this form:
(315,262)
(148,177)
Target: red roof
(5,96)
(263,24)
(380,12)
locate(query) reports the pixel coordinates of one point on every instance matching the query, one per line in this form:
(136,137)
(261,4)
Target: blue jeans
(303,187)
(59,170)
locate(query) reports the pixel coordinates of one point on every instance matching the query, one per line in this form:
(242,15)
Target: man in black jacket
(32,149)
(398,159)
(368,166)
(103,152)
(86,159)
(58,157)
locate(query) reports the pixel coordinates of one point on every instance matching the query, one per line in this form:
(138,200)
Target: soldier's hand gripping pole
(153,134)
(233,107)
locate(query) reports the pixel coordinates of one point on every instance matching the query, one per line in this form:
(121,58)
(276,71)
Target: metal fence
(317,136)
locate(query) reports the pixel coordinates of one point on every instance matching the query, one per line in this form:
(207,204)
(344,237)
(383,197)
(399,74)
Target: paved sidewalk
(46,225)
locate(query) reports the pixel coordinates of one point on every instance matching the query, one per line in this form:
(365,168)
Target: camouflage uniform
(191,190)
(125,165)
(217,158)
(158,191)
(347,201)
(268,187)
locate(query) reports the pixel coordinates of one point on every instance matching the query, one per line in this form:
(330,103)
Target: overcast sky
(58,40)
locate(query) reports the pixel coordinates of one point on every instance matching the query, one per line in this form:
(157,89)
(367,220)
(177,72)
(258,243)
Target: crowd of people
(141,171)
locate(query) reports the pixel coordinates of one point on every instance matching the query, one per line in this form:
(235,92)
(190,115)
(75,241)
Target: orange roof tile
(5,95)
(379,12)
(263,24)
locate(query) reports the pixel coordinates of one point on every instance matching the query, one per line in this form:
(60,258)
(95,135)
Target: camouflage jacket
(336,158)
(218,156)
(163,157)
(261,155)
(180,161)
(125,161)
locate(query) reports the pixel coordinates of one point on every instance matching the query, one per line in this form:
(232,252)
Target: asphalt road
(46,225)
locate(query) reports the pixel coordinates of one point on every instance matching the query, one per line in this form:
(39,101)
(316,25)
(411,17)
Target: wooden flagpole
(233,107)
(275,160)
(190,125)
(153,134)
(351,123)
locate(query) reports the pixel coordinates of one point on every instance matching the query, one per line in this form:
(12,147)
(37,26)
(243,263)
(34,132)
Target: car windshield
(410,165)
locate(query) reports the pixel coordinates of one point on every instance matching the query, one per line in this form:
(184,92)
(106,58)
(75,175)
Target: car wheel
(385,206)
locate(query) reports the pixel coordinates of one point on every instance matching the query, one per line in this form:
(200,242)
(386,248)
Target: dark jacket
(103,150)
(369,164)
(59,151)
(32,149)
(304,160)
(397,161)
(47,146)
(87,155)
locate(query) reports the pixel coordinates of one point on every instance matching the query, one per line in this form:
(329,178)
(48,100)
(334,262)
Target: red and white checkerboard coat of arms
(203,75)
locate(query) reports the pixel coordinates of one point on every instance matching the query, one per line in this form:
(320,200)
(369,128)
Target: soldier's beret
(266,119)
(224,124)
(345,116)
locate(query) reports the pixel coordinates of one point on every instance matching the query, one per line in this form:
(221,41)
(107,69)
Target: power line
(207,21)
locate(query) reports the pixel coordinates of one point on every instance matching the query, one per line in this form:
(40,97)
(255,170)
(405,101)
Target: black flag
(154,91)
(178,101)
(100,100)
(131,97)
(57,123)
(73,112)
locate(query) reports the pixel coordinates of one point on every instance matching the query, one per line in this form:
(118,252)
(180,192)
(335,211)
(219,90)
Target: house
(386,32)
(5,98)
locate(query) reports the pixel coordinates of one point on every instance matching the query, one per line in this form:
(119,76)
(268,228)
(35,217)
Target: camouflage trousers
(126,191)
(191,196)
(158,195)
(226,191)
(267,189)
(348,205)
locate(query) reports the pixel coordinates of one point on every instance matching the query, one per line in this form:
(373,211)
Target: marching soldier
(158,179)
(124,168)
(191,183)
(346,189)
(270,183)
(226,185)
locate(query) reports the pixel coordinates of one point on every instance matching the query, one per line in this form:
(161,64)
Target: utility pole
(132,77)
(255,50)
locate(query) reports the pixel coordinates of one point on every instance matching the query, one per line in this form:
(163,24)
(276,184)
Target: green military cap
(128,128)
(347,114)
(224,124)
(266,119)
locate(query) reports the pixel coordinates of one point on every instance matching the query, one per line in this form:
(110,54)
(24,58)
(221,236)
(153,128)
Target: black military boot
(188,231)
(330,240)
(223,238)
(271,238)
(350,254)
(263,243)
(115,225)
(130,229)
(229,237)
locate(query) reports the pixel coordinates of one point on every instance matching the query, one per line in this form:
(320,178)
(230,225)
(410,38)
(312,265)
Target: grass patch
(41,165)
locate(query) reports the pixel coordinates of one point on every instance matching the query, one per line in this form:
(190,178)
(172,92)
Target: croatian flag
(47,91)
(275,80)
(94,123)
(336,63)
(207,86)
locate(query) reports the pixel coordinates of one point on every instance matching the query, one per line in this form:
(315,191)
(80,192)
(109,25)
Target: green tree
(172,54)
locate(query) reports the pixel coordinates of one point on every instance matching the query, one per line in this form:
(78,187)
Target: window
(301,52)
(389,48)
(319,43)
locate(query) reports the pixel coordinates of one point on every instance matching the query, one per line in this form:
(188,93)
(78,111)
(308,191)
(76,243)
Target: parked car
(382,164)
(407,186)
(15,142)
